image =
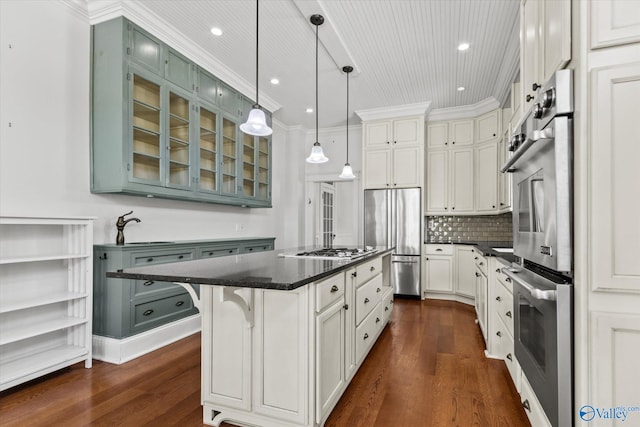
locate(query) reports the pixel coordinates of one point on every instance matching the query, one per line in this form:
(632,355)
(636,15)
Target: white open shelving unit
(46,271)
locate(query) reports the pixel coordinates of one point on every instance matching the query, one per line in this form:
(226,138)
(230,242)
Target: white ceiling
(404,51)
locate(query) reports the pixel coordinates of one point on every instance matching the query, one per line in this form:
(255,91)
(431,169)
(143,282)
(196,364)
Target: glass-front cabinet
(167,127)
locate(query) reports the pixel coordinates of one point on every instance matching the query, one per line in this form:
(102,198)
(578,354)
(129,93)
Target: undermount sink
(505,250)
(144,243)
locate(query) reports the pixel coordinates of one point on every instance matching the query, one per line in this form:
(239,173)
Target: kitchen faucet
(120,226)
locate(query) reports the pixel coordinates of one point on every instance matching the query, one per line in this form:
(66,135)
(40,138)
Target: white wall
(44,143)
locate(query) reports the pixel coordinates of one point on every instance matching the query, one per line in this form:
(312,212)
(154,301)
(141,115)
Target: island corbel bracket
(229,294)
(192,292)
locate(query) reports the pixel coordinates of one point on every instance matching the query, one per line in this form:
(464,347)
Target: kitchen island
(281,337)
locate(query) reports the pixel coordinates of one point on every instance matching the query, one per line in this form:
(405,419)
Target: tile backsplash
(484,228)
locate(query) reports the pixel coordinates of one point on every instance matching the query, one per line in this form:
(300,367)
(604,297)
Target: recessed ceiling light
(216,31)
(275,81)
(460,88)
(463,46)
(309,110)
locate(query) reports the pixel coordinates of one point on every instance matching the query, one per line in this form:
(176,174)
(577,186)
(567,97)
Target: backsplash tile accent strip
(484,228)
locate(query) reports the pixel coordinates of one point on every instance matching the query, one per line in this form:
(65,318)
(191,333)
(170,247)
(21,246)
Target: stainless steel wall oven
(542,168)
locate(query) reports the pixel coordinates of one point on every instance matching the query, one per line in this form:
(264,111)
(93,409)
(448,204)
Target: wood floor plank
(427,369)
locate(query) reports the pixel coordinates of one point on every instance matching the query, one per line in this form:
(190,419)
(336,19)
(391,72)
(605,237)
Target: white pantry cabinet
(393,152)
(45,282)
(450,181)
(445,134)
(486,177)
(487,126)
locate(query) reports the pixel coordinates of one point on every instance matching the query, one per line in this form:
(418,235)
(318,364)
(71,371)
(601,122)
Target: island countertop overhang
(263,270)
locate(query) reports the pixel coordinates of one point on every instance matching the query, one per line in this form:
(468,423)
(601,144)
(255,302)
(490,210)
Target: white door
(326,216)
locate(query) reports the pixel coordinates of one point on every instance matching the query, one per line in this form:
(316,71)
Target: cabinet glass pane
(229,141)
(263,168)
(248,165)
(146,129)
(178,140)
(208,150)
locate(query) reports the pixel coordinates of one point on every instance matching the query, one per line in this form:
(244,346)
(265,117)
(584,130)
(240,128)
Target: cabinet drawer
(367,270)
(149,258)
(536,415)
(387,305)
(504,279)
(257,248)
(439,249)
(216,251)
(481,263)
(147,314)
(367,296)
(148,287)
(328,291)
(504,306)
(367,332)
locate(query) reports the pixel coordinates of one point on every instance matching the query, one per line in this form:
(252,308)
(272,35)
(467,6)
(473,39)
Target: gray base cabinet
(122,308)
(164,127)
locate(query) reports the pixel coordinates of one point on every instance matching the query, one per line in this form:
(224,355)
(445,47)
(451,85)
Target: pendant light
(317,156)
(347,172)
(256,123)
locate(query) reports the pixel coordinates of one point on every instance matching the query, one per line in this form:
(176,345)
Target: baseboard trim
(450,297)
(119,351)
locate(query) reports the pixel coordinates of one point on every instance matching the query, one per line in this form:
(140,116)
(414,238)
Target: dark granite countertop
(486,248)
(263,270)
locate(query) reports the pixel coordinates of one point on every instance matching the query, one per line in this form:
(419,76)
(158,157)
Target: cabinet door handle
(386,308)
(366,300)
(446,209)
(372,268)
(388,142)
(526,405)
(477,275)
(148,283)
(377,319)
(439,250)
(497,270)
(498,299)
(147,313)
(334,288)
(481,263)
(366,336)
(453,208)
(179,303)
(210,253)
(510,357)
(499,333)
(535,86)
(508,313)
(230,251)
(529,98)
(346,306)
(395,142)
(508,279)
(475,257)
(378,290)
(453,142)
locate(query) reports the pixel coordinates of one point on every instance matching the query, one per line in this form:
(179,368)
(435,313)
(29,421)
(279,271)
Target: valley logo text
(589,413)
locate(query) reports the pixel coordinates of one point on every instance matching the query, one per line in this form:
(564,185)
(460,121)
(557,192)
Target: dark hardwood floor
(427,369)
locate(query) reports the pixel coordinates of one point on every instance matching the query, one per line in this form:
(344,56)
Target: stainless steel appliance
(542,237)
(393,218)
(331,253)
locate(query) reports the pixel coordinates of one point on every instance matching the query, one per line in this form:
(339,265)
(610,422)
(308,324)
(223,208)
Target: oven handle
(538,136)
(549,295)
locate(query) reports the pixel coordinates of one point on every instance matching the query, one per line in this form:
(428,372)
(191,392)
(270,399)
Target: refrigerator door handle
(404,262)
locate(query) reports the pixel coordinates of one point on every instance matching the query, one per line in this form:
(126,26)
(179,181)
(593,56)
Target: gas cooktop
(332,253)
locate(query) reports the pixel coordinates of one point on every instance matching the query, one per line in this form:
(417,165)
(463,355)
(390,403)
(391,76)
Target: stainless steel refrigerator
(393,218)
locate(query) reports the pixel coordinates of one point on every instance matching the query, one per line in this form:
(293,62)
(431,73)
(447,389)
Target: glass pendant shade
(256,123)
(317,156)
(347,172)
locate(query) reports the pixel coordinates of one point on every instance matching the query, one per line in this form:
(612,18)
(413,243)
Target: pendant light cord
(347,117)
(316,82)
(257,47)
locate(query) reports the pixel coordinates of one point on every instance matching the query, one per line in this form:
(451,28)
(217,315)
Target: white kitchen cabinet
(504,179)
(450,181)
(529,51)
(532,406)
(486,177)
(481,292)
(393,153)
(614,23)
(330,356)
(487,126)
(449,134)
(465,268)
(516,107)
(438,266)
(45,310)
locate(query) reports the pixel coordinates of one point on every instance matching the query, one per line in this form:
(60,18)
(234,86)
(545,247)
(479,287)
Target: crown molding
(79,7)
(464,112)
(103,10)
(381,113)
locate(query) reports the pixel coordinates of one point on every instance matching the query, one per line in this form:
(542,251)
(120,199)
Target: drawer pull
(377,319)
(477,275)
(147,313)
(372,268)
(499,333)
(250,249)
(366,336)
(386,308)
(179,303)
(498,299)
(439,250)
(510,357)
(526,405)
(475,257)
(346,306)
(334,288)
(354,274)
(149,259)
(366,300)
(497,270)
(210,253)
(378,290)
(508,279)
(181,256)
(481,263)
(148,283)
(508,313)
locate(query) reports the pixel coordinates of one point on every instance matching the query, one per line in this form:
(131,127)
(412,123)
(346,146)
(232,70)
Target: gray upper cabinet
(162,126)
